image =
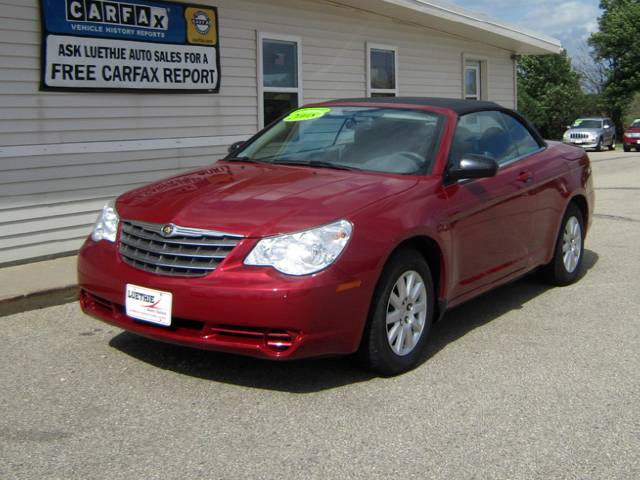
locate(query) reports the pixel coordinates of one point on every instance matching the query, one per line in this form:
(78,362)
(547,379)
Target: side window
(483,133)
(279,76)
(382,70)
(522,138)
(472,80)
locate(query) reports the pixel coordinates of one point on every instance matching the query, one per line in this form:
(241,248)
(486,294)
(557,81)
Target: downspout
(515,57)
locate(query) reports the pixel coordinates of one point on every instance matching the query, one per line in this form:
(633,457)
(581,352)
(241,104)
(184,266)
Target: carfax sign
(133,45)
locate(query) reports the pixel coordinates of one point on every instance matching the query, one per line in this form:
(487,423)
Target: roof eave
(462,23)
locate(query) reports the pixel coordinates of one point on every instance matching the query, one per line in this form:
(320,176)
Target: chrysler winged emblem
(168,230)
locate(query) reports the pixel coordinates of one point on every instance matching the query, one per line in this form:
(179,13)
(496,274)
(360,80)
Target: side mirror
(473,166)
(234,147)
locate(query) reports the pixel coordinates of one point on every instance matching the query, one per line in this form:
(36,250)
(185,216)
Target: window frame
(482,72)
(260,38)
(539,140)
(379,46)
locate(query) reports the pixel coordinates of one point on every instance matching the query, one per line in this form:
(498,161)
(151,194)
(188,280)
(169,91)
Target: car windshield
(352,138)
(635,124)
(588,124)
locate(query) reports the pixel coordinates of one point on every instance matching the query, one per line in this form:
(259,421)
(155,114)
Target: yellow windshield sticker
(305,114)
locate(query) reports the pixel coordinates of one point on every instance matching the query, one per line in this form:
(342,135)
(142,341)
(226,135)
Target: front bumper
(252,311)
(582,145)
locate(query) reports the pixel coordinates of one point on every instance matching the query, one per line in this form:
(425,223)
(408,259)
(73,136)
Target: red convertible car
(344,227)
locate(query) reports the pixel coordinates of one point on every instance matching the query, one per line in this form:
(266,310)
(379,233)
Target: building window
(382,70)
(279,76)
(472,80)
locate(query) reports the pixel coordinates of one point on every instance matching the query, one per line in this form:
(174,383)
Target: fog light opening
(279,340)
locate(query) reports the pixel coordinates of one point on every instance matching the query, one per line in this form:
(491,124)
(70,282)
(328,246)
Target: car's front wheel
(401,315)
(599,145)
(613,144)
(627,148)
(566,265)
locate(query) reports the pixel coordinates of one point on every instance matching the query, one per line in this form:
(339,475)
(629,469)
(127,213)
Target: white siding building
(63,154)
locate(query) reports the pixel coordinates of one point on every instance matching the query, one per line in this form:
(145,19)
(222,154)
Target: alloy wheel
(406,313)
(572,244)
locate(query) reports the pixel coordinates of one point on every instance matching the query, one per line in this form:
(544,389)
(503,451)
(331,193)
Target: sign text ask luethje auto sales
(147,45)
(136,64)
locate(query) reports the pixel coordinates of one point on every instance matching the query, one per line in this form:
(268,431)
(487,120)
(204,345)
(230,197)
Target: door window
(483,133)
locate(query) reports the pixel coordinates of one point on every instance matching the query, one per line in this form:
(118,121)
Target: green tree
(634,111)
(549,93)
(616,44)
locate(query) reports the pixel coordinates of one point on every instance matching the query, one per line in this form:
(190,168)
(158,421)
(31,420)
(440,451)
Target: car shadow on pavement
(314,375)
(474,314)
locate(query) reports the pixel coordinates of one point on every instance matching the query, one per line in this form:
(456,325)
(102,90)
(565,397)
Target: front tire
(599,145)
(566,266)
(613,144)
(400,316)
(627,148)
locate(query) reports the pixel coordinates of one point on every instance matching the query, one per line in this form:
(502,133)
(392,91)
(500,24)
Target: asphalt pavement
(527,382)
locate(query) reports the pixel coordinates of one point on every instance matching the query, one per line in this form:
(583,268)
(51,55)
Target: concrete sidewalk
(37,285)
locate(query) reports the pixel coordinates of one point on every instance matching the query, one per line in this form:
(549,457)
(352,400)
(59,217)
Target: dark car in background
(596,133)
(344,227)
(632,137)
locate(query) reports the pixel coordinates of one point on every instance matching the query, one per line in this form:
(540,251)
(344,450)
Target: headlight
(106,226)
(302,253)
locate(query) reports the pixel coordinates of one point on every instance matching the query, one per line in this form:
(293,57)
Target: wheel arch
(581,202)
(433,255)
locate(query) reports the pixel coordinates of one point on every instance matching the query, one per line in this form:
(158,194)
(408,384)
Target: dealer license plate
(149,305)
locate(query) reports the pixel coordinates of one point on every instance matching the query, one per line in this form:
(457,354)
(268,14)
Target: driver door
(491,219)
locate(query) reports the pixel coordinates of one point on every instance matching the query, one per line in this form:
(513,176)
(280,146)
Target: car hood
(632,130)
(258,199)
(585,130)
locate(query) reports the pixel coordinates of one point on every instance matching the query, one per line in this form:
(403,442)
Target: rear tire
(400,316)
(566,266)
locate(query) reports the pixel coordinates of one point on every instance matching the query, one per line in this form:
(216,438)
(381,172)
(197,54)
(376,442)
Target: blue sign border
(53,20)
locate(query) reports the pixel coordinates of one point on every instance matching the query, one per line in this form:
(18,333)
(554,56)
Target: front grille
(579,136)
(184,252)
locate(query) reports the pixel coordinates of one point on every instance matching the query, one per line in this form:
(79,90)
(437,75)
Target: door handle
(525,177)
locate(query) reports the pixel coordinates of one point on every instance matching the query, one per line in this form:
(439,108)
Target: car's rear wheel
(400,316)
(566,265)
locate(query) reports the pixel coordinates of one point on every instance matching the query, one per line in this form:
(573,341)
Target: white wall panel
(57,166)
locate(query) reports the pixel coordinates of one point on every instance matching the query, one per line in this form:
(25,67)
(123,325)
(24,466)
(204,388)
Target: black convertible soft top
(461,107)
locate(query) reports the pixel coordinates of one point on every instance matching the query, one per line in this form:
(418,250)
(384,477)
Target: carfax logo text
(117,13)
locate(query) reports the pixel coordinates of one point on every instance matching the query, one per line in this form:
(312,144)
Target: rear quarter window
(522,139)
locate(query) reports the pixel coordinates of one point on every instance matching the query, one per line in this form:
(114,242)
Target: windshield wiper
(317,164)
(243,159)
